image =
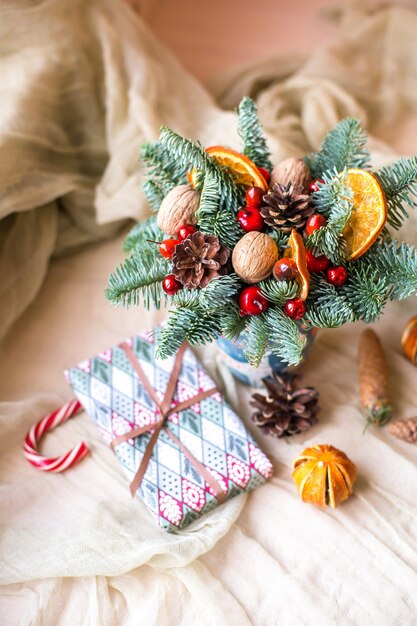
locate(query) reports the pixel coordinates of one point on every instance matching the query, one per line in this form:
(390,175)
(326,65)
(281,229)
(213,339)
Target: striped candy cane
(50,421)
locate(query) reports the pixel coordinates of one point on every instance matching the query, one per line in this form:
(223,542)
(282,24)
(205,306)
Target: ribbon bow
(165,410)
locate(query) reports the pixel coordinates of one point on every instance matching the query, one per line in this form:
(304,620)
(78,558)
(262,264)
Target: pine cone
(287,409)
(286,207)
(199,259)
(404,429)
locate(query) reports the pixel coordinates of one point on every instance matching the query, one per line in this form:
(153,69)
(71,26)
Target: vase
(232,355)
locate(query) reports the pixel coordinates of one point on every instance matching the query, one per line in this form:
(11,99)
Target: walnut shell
(324,475)
(254,257)
(179,207)
(294,170)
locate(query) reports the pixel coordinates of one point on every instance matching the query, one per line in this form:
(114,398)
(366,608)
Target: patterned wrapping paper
(172,489)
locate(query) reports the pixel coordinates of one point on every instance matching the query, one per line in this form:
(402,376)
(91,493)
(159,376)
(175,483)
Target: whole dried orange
(297,252)
(369,212)
(244,170)
(324,475)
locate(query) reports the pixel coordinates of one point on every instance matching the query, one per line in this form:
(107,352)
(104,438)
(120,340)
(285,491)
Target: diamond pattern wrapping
(172,489)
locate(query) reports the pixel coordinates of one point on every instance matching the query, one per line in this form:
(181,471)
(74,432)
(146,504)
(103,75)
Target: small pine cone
(288,409)
(404,429)
(198,259)
(286,207)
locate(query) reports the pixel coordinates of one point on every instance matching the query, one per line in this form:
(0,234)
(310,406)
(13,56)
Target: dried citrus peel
(296,250)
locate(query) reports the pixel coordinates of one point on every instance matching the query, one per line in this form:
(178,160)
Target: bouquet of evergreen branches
(241,247)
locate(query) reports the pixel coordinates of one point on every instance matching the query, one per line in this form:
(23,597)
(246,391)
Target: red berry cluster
(167,248)
(249,216)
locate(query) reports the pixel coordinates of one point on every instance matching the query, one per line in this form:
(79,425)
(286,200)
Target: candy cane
(50,421)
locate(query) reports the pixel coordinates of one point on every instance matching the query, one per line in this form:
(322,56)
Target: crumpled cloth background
(83,84)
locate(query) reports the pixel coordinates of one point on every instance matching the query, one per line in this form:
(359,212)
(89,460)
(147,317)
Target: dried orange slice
(244,171)
(296,251)
(369,212)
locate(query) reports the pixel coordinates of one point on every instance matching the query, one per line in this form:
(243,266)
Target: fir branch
(285,339)
(399,182)
(327,241)
(343,147)
(327,307)
(232,322)
(162,168)
(255,339)
(212,219)
(141,233)
(195,326)
(251,133)
(189,154)
(216,295)
(280,238)
(334,201)
(366,291)
(220,187)
(397,264)
(317,317)
(278,291)
(139,277)
(163,173)
(154,193)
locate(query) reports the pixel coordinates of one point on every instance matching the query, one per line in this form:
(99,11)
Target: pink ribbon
(165,410)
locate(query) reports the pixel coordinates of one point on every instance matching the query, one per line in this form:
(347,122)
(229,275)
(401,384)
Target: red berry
(315,222)
(167,247)
(185,230)
(250,218)
(254,197)
(285,269)
(252,302)
(265,174)
(314,186)
(336,276)
(295,308)
(316,264)
(171,285)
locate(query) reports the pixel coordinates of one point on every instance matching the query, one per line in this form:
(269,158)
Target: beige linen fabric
(83,84)
(75,548)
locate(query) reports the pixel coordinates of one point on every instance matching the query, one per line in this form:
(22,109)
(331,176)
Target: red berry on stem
(295,308)
(167,247)
(171,285)
(252,302)
(316,264)
(315,222)
(336,276)
(250,219)
(285,269)
(185,230)
(265,173)
(254,197)
(314,186)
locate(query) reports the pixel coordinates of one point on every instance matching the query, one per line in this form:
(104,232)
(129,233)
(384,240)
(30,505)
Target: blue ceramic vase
(231,353)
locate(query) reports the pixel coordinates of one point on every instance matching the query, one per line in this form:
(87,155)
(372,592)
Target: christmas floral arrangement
(244,247)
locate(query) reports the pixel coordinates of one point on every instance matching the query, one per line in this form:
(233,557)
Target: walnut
(294,170)
(179,207)
(254,257)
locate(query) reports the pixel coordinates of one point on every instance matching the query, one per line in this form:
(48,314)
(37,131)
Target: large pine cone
(199,259)
(286,207)
(288,409)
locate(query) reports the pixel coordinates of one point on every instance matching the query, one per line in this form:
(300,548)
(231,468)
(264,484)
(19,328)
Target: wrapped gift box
(206,432)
